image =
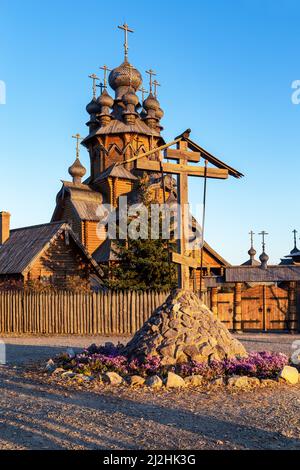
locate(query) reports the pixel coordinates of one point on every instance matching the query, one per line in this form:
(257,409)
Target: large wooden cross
(183,171)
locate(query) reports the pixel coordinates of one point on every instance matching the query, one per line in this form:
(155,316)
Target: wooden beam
(177,169)
(176,154)
(185,260)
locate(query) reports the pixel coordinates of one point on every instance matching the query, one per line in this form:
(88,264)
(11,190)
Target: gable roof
(84,200)
(208,156)
(26,244)
(116,171)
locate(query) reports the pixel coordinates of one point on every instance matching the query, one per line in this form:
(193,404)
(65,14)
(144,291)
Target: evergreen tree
(143,263)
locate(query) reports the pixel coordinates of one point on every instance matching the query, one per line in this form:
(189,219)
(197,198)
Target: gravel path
(36,414)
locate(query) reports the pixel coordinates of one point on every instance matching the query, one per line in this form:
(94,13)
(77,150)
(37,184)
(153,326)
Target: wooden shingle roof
(25,244)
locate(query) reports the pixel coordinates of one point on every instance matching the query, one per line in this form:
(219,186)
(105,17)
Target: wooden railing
(63,313)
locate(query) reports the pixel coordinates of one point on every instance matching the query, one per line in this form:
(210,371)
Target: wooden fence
(107,313)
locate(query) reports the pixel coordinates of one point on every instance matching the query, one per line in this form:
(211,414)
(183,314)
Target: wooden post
(237,316)
(182,182)
(214,301)
(293,321)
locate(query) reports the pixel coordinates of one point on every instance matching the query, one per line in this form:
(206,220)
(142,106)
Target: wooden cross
(143,91)
(94,78)
(156,84)
(263,234)
(295,237)
(105,69)
(151,73)
(126,30)
(79,139)
(183,171)
(101,86)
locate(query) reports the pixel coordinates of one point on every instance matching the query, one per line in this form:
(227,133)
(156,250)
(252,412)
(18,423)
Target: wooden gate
(265,308)
(225,309)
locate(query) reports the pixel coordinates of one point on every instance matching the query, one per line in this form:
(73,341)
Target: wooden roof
(277,273)
(26,244)
(84,199)
(116,171)
(210,158)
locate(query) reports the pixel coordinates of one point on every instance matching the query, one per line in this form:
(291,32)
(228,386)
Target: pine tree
(143,263)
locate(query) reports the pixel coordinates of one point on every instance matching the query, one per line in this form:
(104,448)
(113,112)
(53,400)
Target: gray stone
(137,381)
(184,322)
(194,380)
(154,382)
(290,375)
(112,378)
(50,366)
(174,381)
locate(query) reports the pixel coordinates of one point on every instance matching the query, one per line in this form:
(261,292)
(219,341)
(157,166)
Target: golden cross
(156,84)
(94,78)
(126,30)
(106,69)
(78,139)
(151,73)
(143,91)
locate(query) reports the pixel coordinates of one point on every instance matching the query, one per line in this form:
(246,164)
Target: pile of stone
(183,329)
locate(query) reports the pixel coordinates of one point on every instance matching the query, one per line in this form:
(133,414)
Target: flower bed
(96,361)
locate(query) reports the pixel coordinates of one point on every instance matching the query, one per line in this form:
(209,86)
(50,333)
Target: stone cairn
(183,329)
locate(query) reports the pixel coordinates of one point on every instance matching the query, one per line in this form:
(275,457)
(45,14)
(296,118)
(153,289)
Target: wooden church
(120,128)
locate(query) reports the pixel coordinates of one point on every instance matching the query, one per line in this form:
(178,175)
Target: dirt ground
(36,414)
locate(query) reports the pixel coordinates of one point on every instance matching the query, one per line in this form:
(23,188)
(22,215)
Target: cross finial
(101,86)
(251,236)
(126,30)
(151,73)
(143,91)
(295,238)
(94,78)
(156,84)
(263,234)
(105,69)
(78,139)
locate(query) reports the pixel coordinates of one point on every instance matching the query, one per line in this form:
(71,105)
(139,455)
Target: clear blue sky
(226,68)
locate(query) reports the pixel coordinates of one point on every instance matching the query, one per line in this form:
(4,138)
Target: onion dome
(151,104)
(130,100)
(252,252)
(264,258)
(159,114)
(105,100)
(93,107)
(123,77)
(77,171)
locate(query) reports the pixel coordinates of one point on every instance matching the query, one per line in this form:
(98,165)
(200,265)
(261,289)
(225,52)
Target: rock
(238,381)
(68,375)
(137,381)
(71,353)
(268,383)
(112,378)
(154,382)
(194,380)
(58,371)
(84,378)
(186,330)
(50,366)
(253,382)
(290,375)
(219,382)
(174,381)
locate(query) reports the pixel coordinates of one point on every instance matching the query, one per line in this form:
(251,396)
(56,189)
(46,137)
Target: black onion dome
(93,107)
